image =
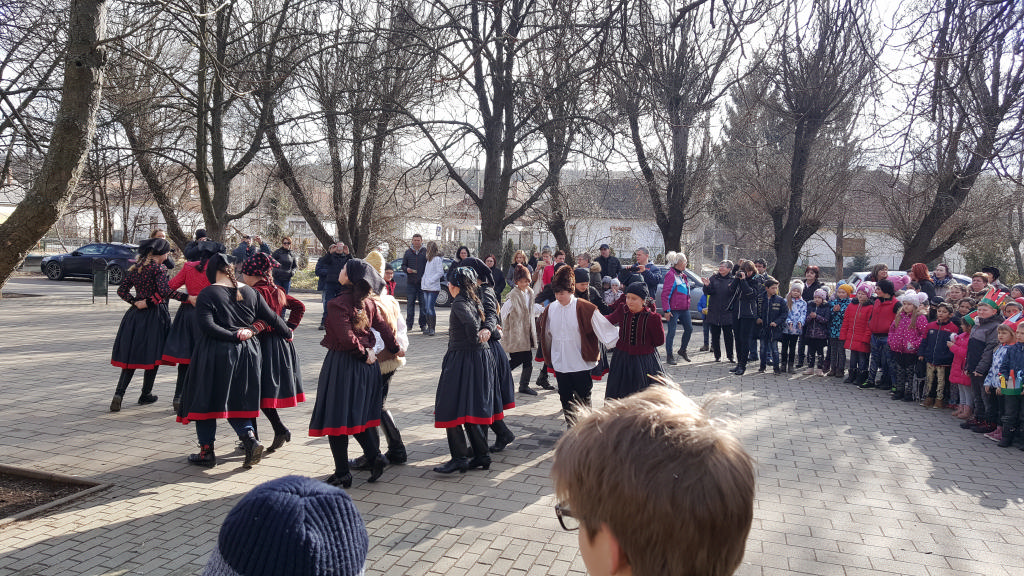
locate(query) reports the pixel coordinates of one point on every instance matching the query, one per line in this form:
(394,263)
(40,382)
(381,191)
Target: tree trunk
(287,175)
(840,231)
(69,144)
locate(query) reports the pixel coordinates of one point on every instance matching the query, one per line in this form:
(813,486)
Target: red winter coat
(956,372)
(855,333)
(883,312)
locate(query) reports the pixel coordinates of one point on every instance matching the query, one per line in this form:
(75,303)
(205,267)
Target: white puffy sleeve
(606,332)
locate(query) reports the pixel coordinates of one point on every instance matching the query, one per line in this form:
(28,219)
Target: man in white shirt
(570,331)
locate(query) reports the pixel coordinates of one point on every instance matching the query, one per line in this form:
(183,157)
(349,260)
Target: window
(91,250)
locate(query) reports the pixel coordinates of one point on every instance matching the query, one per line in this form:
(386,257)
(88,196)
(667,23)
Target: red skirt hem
(282,402)
(509,406)
(343,430)
(124,366)
(469,420)
(172,361)
(215,415)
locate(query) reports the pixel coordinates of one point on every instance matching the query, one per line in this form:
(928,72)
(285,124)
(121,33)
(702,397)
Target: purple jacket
(675,293)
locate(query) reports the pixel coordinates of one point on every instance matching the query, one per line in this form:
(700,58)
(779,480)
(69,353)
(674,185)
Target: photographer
(192,253)
(651,274)
(719,317)
(744,289)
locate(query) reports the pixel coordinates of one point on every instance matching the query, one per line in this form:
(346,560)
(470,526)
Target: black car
(118,257)
(443,297)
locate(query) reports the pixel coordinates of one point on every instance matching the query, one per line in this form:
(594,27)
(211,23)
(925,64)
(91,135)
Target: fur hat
(595,267)
(291,526)
(886,286)
(615,282)
(915,298)
(562,281)
(375,259)
(520,272)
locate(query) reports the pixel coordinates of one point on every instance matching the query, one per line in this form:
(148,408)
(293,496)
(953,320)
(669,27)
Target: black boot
(179,385)
(122,387)
(148,379)
(396,448)
(205,457)
(542,380)
(669,359)
(1008,434)
(503,436)
(253,450)
(459,451)
(682,354)
(851,377)
(279,439)
(478,440)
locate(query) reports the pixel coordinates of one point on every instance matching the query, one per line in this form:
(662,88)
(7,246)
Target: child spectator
(795,319)
(883,312)
(938,355)
(1010,387)
(836,350)
(905,335)
(614,292)
(816,334)
(982,344)
(654,526)
(855,333)
(965,307)
(955,292)
(1012,311)
(957,374)
(1007,335)
(773,316)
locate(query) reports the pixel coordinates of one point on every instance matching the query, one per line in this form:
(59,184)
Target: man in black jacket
(328,267)
(414,262)
(610,266)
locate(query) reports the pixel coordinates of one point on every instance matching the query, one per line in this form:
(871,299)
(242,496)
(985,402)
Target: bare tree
(84,60)
(671,65)
(969,105)
(824,57)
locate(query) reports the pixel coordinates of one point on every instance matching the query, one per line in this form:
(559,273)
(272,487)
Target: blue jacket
(935,346)
(773,309)
(836,322)
(1011,369)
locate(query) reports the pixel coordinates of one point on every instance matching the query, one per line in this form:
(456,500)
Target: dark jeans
(413,293)
(574,388)
(286,285)
(815,350)
(770,352)
(836,355)
(858,360)
(755,338)
(789,342)
(881,360)
(743,327)
(678,317)
(706,329)
(716,344)
(330,293)
(1011,413)
(206,430)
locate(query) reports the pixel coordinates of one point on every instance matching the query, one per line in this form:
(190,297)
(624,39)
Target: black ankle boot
(481,462)
(502,441)
(340,480)
(279,440)
(377,469)
(204,458)
(455,464)
(253,451)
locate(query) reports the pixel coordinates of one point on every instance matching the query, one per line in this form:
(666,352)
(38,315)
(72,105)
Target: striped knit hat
(291,526)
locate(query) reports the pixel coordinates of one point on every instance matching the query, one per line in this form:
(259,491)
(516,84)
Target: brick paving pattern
(848,481)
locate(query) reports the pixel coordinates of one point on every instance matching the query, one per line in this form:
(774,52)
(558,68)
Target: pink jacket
(905,336)
(956,372)
(675,292)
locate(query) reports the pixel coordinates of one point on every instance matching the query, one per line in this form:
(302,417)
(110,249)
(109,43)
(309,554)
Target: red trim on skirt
(214,415)
(124,366)
(509,406)
(469,420)
(282,402)
(172,361)
(598,378)
(344,430)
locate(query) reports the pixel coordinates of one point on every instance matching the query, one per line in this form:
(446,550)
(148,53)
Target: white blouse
(566,344)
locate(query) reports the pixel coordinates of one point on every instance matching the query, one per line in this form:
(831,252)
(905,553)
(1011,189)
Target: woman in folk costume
(143,331)
(502,376)
(635,362)
(182,339)
(466,399)
(224,376)
(389,364)
(349,393)
(517,321)
(570,333)
(280,374)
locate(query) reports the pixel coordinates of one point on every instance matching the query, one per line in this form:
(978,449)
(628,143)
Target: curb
(94,487)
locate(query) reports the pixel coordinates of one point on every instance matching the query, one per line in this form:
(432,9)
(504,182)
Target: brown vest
(590,349)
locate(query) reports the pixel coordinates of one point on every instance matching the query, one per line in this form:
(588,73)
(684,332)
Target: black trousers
(815,350)
(789,342)
(743,327)
(716,345)
(524,359)
(573,388)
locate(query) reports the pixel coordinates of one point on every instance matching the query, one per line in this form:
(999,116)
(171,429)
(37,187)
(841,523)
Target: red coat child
(855,332)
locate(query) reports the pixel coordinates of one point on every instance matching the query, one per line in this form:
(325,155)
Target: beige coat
(519,331)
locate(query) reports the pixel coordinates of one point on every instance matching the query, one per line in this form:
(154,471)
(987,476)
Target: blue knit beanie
(291,526)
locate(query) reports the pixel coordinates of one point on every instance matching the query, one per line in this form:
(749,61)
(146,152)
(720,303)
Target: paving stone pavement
(848,481)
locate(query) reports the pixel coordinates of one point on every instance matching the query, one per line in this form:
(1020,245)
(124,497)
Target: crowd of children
(941,344)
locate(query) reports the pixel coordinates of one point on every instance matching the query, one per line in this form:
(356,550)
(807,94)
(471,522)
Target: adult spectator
(675,302)
(610,265)
(243,251)
(651,274)
(258,245)
(979,285)
(497,274)
(694,510)
(327,269)
(518,258)
(921,280)
(414,262)
(192,252)
(761,267)
(532,262)
(942,280)
(283,255)
(994,274)
(811,285)
(719,317)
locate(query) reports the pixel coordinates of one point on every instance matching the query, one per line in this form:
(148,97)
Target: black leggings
(789,348)
(815,349)
(148,379)
(368,440)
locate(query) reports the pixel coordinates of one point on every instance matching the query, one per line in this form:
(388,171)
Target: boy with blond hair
(655,487)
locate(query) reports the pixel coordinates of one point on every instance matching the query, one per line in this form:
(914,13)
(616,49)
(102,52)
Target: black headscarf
(216,262)
(639,289)
(154,247)
(359,270)
(464,277)
(482,271)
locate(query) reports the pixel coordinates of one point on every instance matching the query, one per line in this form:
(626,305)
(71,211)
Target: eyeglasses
(565,518)
(286,243)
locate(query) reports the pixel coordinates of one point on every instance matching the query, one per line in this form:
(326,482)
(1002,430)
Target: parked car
(118,257)
(857,277)
(401,277)
(696,292)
